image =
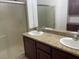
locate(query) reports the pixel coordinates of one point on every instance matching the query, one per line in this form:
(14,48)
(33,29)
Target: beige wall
(12,25)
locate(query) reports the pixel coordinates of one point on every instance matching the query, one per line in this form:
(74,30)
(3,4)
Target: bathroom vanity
(47,46)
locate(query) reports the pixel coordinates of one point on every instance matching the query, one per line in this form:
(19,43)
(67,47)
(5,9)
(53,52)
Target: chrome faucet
(76,37)
(38,28)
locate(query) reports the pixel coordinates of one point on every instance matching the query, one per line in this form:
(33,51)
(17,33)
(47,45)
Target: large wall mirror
(56,14)
(62,14)
(52,13)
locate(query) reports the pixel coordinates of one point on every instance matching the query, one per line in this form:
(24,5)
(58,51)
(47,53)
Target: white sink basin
(70,42)
(35,33)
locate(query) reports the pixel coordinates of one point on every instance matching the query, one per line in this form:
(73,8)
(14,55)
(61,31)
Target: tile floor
(22,57)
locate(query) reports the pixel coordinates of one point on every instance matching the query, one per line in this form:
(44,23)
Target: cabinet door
(42,55)
(72,26)
(73,7)
(58,54)
(29,46)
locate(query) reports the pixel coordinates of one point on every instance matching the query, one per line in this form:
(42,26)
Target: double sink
(67,41)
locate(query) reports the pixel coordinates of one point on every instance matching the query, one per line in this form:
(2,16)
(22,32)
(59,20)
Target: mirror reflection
(46,15)
(54,16)
(73,15)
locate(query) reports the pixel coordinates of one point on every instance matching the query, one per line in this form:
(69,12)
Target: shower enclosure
(12,25)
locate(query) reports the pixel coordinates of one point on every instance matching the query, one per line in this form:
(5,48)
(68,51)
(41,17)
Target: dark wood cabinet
(39,50)
(43,47)
(43,51)
(72,26)
(42,55)
(29,46)
(58,54)
(73,7)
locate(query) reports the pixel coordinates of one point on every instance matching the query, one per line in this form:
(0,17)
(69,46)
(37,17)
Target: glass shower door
(12,25)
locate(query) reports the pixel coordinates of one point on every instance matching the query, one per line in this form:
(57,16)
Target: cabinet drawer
(59,54)
(43,47)
(42,55)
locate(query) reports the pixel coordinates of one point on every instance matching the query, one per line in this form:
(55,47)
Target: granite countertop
(54,41)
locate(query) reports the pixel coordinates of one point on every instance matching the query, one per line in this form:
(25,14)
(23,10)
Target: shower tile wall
(12,25)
